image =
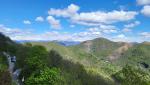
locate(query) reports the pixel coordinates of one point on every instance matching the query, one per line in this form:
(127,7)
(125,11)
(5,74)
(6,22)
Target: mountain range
(103,55)
(100,56)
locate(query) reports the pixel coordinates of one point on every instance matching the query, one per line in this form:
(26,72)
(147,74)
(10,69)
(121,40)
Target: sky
(76,20)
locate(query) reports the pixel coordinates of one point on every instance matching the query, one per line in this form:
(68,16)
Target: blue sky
(76,20)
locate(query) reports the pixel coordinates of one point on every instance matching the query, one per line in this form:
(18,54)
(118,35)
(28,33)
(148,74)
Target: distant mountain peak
(66,43)
(146,43)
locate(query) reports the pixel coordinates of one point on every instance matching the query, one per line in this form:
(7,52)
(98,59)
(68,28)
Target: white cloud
(86,35)
(26,22)
(104,17)
(131,25)
(143,2)
(145,34)
(121,36)
(14,32)
(92,18)
(40,19)
(106,29)
(67,12)
(53,22)
(54,35)
(94,32)
(146,10)
(128,27)
(18,34)
(91,33)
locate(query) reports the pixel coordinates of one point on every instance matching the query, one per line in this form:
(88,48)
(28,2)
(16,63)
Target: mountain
(138,55)
(101,47)
(26,41)
(100,61)
(64,43)
(99,53)
(58,64)
(93,54)
(6,45)
(67,43)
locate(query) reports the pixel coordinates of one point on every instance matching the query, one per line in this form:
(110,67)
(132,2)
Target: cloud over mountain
(146,10)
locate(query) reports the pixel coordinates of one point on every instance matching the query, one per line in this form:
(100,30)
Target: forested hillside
(40,66)
(106,58)
(88,63)
(5,45)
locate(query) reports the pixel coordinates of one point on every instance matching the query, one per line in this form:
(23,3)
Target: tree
(55,59)
(133,76)
(48,76)
(36,58)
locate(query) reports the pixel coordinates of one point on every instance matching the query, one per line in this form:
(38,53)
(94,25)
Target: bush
(48,76)
(132,76)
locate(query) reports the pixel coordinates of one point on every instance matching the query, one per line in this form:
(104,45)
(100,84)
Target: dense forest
(94,62)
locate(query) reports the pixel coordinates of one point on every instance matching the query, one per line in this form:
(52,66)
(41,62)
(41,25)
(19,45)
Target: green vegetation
(4,74)
(138,55)
(39,67)
(90,60)
(100,47)
(47,63)
(46,77)
(132,76)
(96,58)
(5,78)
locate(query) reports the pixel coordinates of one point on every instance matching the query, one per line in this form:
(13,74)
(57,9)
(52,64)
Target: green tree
(36,58)
(133,76)
(48,76)
(55,59)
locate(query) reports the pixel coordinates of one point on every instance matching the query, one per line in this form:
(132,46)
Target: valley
(100,59)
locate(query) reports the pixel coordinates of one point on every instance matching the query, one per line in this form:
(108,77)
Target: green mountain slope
(92,54)
(39,66)
(99,47)
(92,62)
(74,54)
(137,55)
(103,56)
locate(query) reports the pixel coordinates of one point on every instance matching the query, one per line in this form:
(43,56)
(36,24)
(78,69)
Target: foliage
(135,55)
(75,73)
(132,76)
(5,78)
(35,59)
(73,65)
(46,77)
(77,53)
(36,70)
